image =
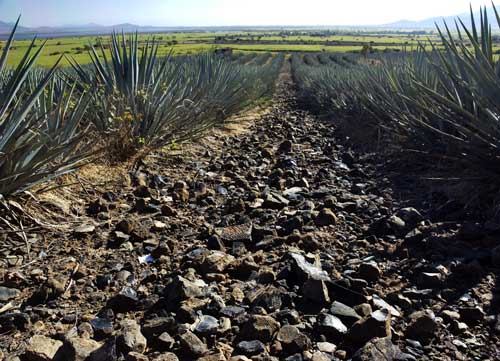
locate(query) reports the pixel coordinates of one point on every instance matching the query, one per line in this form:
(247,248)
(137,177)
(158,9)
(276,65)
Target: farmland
(284,41)
(297,194)
(199,42)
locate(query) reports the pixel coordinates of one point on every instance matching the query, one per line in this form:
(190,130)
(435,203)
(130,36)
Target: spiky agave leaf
(168,99)
(441,103)
(36,143)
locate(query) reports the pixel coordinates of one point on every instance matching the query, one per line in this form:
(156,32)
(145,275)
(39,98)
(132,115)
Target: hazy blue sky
(228,12)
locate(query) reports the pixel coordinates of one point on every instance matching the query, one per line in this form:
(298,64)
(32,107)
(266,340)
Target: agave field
(124,104)
(350,211)
(437,107)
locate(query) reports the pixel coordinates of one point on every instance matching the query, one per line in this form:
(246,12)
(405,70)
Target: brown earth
(265,240)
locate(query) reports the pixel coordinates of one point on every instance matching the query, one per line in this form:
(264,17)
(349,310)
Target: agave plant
(145,102)
(261,59)
(36,144)
(440,103)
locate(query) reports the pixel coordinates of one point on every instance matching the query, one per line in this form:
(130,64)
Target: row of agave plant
(438,107)
(127,102)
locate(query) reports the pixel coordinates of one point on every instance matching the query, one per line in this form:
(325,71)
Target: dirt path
(270,242)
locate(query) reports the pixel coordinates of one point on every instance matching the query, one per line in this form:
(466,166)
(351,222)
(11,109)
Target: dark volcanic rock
(181,288)
(471,315)
(269,297)
(381,349)
(292,340)
(275,201)
(326,218)
(131,339)
(346,295)
(155,327)
(77,349)
(7,294)
(251,348)
(305,270)
(102,327)
(105,353)
(285,147)
(331,326)
(41,348)
(207,325)
(369,271)
(378,324)
(126,300)
(423,325)
(191,345)
(316,291)
(260,328)
(345,313)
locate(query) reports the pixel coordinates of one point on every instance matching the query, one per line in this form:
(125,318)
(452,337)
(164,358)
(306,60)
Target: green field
(75,47)
(179,43)
(196,42)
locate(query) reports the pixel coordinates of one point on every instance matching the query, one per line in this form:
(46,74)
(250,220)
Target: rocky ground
(271,243)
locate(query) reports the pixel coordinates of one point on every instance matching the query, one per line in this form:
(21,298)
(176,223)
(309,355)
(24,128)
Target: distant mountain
(81,26)
(97,29)
(430,23)
(6,28)
(86,28)
(76,30)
